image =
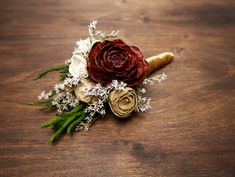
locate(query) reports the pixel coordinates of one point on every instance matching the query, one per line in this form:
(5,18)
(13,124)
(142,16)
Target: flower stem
(158,61)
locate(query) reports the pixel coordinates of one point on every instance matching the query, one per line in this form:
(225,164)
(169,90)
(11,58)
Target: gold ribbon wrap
(158,61)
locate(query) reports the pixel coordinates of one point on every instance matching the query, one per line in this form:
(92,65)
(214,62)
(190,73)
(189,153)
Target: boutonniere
(103,73)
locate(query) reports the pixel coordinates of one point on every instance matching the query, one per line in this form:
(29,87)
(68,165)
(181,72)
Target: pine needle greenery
(64,70)
(66,122)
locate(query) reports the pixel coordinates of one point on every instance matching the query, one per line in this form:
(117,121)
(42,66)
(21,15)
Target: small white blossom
(44,95)
(118,85)
(102,112)
(158,78)
(59,87)
(67,61)
(86,127)
(101,34)
(94,33)
(71,81)
(92,28)
(113,34)
(141,90)
(143,103)
(88,119)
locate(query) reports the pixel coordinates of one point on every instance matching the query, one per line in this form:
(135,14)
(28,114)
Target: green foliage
(66,122)
(64,70)
(47,106)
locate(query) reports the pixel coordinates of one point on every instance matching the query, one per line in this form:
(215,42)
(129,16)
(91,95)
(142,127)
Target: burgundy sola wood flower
(115,60)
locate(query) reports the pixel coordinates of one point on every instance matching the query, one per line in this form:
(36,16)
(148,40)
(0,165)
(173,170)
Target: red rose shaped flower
(115,60)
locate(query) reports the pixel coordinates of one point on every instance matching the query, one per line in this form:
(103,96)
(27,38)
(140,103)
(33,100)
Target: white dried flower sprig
(144,102)
(61,96)
(44,95)
(100,35)
(102,93)
(154,79)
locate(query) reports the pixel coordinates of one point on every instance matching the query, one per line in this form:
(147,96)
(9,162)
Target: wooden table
(190,130)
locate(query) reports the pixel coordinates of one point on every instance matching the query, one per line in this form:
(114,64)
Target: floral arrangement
(103,73)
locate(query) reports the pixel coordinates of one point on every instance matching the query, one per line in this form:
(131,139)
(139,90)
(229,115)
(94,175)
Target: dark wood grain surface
(190,130)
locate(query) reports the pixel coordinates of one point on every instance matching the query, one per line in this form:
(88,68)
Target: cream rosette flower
(79,91)
(78,67)
(123,103)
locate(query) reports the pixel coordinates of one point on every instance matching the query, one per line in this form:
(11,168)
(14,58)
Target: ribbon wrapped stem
(158,61)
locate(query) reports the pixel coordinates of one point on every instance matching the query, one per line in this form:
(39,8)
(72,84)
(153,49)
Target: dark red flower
(115,60)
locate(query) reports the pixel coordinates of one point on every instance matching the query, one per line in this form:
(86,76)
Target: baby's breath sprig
(144,102)
(100,35)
